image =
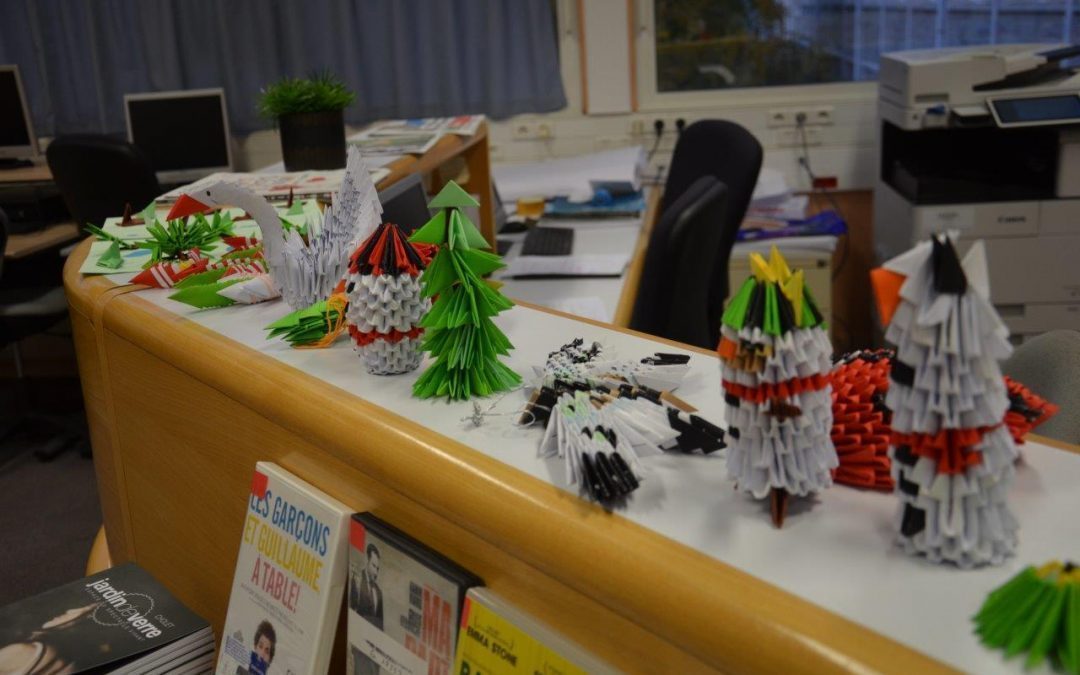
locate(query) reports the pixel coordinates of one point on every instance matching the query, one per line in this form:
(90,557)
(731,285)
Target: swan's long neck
(266,217)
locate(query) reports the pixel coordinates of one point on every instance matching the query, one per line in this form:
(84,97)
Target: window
(705,45)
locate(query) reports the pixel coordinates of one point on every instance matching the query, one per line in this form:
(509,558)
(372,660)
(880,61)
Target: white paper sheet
(587,265)
(573,177)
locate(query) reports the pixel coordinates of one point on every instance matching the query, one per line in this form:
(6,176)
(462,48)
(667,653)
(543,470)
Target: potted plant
(310,116)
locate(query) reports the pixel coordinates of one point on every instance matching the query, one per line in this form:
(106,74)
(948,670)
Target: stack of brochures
(117,621)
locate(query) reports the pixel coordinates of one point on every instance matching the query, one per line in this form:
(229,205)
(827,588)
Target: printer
(985,142)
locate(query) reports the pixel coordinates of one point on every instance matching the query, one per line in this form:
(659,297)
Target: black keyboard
(548,241)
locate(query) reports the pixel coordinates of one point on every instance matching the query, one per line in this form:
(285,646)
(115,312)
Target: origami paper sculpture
(315,326)
(304,268)
(386,302)
(1037,611)
(460,334)
(168,274)
(952,458)
(1026,410)
(860,431)
(775,361)
(861,421)
(601,419)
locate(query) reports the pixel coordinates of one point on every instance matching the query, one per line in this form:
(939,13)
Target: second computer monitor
(185,134)
(405,203)
(17,140)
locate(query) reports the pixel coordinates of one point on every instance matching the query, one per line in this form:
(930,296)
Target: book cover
(289,581)
(499,639)
(404,602)
(107,619)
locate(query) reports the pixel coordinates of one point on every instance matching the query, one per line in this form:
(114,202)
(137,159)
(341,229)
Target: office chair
(729,153)
(677,298)
(97,175)
(25,312)
(1050,365)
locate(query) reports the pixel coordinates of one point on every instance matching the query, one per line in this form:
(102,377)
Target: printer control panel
(1036,110)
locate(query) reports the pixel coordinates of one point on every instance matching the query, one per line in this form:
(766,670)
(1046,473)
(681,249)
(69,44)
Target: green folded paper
(308,325)
(458,330)
(1038,612)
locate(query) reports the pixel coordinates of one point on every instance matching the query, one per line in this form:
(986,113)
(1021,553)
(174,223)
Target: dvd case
(404,602)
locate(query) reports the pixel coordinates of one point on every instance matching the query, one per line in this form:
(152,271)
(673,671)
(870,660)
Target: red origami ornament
(861,429)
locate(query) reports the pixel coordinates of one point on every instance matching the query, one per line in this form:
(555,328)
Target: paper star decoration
(775,360)
(952,457)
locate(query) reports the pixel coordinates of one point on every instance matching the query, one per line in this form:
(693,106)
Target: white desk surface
(590,236)
(835,550)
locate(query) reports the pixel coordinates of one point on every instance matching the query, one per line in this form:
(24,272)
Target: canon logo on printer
(1012,219)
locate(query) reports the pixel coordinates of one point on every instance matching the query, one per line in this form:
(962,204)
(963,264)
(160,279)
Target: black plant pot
(313,140)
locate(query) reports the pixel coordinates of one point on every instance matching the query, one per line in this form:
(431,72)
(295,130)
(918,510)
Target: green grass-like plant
(177,237)
(322,92)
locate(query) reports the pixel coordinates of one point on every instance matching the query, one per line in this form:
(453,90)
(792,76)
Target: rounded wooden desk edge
(561,536)
(625,309)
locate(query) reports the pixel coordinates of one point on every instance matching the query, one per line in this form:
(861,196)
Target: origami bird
(304,270)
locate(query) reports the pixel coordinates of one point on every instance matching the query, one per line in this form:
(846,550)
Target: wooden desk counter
(35,173)
(180,413)
(22,245)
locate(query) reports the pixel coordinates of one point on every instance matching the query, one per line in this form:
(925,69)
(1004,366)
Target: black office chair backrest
(676,298)
(97,175)
(729,153)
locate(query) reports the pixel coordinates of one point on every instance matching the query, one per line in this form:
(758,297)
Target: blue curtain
(403,58)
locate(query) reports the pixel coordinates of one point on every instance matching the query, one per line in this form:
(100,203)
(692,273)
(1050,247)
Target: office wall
(846,148)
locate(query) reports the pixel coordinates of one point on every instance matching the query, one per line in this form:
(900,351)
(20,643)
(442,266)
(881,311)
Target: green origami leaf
(304,326)
(206,296)
(482,263)
(1048,628)
(297,209)
(201,278)
(433,231)
(452,196)
(111,258)
(440,273)
(472,235)
(772,310)
(735,314)
(149,214)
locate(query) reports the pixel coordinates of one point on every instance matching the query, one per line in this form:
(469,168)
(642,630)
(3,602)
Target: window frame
(650,99)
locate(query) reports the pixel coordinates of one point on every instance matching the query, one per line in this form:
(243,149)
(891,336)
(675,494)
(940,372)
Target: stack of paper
(274,186)
(577,178)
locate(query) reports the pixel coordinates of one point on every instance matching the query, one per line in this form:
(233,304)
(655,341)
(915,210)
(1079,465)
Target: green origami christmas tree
(458,331)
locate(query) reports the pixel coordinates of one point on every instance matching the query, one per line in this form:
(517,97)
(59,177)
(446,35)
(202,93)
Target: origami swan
(304,271)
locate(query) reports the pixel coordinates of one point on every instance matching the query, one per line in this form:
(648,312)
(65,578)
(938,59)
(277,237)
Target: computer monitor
(17,139)
(185,134)
(405,203)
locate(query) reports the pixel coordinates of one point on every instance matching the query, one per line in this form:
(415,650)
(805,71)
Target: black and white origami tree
(952,456)
(776,357)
